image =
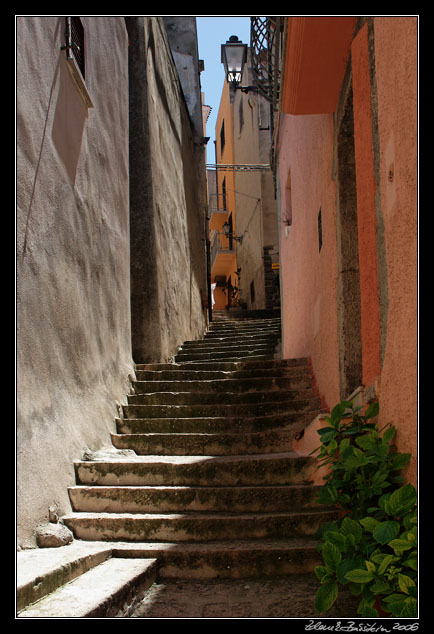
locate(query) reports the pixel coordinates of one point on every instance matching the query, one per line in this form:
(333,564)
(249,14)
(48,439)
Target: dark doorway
(348,280)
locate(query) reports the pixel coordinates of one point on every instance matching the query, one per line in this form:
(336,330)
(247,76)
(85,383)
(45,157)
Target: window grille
(77,38)
(265,42)
(74,42)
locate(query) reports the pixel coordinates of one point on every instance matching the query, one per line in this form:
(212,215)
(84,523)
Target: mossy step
(285,373)
(247,333)
(216,424)
(196,526)
(264,469)
(176,499)
(202,397)
(102,592)
(220,409)
(228,355)
(211,444)
(219,385)
(233,339)
(226,365)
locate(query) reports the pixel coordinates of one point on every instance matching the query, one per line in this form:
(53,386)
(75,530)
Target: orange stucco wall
(396,73)
(316,56)
(367,240)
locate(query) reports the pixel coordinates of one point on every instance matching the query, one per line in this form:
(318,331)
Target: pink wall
(308,275)
(386,157)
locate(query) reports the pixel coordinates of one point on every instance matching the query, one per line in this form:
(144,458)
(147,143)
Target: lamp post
(234,57)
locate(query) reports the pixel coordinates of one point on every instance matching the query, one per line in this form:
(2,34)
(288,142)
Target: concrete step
(232,341)
(216,424)
(226,355)
(179,499)
(196,526)
(232,559)
(229,346)
(213,375)
(264,469)
(226,365)
(254,319)
(40,571)
(244,313)
(216,398)
(112,589)
(223,385)
(232,330)
(220,409)
(212,444)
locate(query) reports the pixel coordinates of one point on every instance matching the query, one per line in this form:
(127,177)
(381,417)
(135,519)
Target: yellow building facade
(222,210)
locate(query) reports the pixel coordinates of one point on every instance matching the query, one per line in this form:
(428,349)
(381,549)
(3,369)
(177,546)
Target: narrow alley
(216,317)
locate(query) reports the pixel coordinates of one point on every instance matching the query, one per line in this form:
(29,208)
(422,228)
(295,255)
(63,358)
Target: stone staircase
(204,479)
(214,488)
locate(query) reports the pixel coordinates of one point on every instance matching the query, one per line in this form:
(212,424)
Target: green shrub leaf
(346,565)
(351,527)
(360,576)
(400,544)
(403,499)
(331,556)
(372,410)
(386,531)
(337,539)
(326,596)
(369,523)
(366,441)
(389,434)
(405,582)
(337,412)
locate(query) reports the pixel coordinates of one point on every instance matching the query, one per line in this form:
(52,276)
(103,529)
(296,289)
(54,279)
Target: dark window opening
(224,193)
(241,115)
(319,229)
(222,137)
(252,291)
(231,233)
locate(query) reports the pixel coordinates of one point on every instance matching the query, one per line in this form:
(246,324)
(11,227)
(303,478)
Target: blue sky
(212,31)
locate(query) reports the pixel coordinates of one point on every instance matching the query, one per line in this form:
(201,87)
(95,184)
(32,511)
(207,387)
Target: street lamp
(234,57)
(228,233)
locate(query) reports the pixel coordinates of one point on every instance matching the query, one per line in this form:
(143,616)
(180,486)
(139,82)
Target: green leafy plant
(362,462)
(372,549)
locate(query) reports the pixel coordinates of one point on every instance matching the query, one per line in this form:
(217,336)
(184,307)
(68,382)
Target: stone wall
(168,201)
(73,315)
(110,250)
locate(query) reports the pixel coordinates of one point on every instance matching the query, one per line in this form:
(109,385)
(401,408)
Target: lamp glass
(234,54)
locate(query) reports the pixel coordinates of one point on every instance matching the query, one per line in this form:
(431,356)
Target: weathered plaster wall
(168,201)
(308,275)
(382,79)
(73,315)
(396,74)
(256,207)
(366,212)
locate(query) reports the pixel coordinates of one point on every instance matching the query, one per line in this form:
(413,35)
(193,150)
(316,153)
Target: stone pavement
(280,598)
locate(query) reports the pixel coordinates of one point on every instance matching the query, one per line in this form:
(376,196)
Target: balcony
(216,216)
(222,247)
